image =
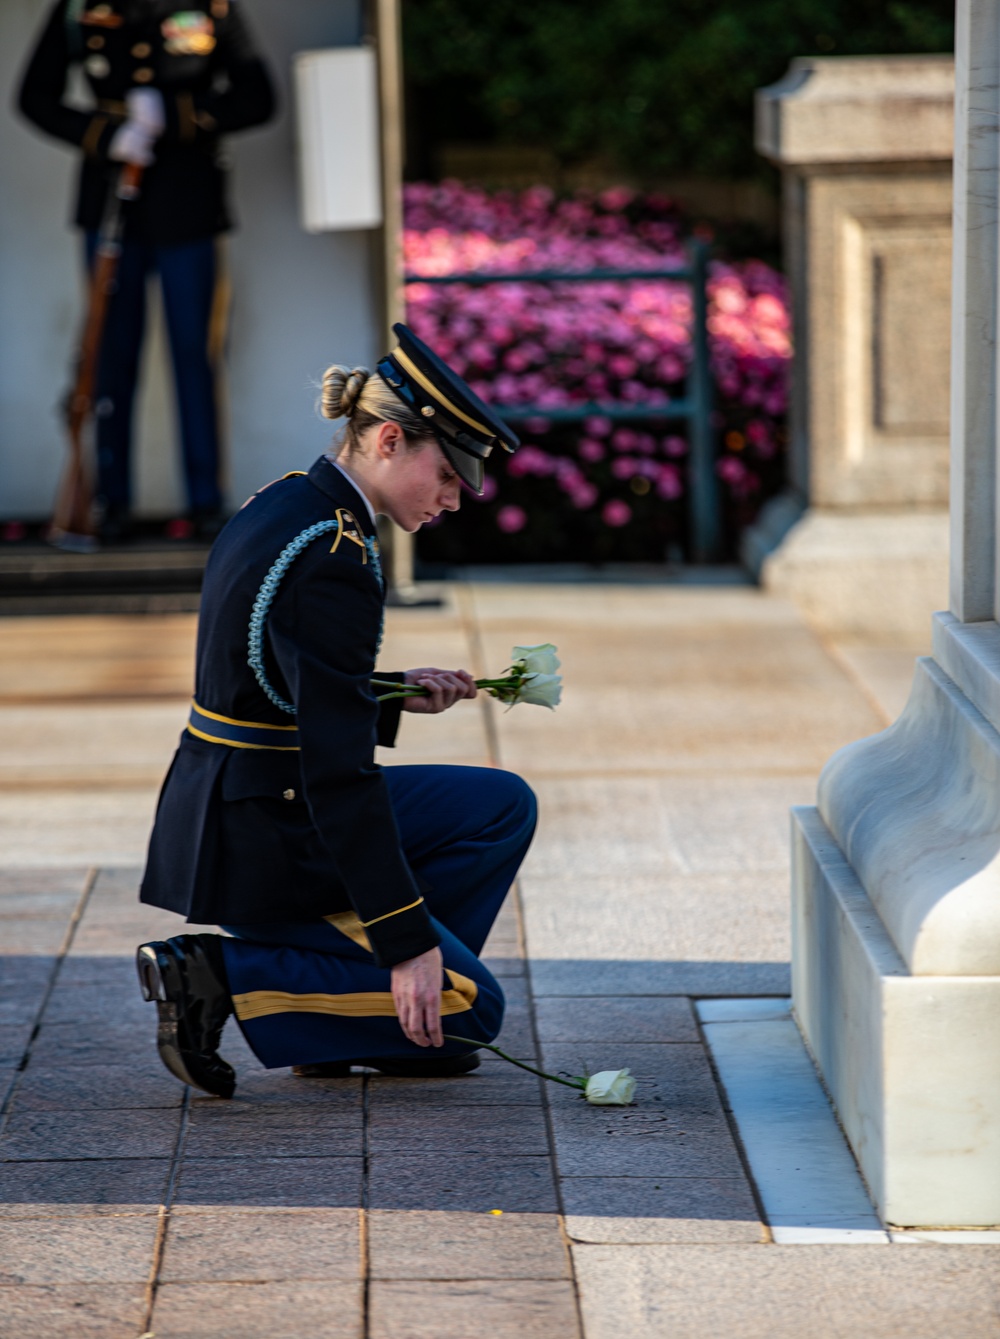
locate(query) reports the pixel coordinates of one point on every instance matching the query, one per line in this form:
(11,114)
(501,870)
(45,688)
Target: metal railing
(695,408)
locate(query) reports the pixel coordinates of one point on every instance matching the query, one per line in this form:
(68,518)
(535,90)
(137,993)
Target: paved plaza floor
(374,1208)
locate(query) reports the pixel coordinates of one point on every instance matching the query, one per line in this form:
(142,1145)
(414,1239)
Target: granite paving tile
(52,904)
(505,968)
(769,1292)
(636,1018)
(248,1130)
(97,1087)
(676,1127)
(281,1087)
(268,1246)
(24,980)
(489,1085)
(79,1189)
(613,976)
(8,1075)
(33,1136)
(14,1038)
(467,1183)
(77,1250)
(259,1311)
(667,1209)
(99,1002)
(68,882)
(32,936)
(428,1245)
(493,1131)
(526,1309)
(321,1182)
(96,1042)
(85,1311)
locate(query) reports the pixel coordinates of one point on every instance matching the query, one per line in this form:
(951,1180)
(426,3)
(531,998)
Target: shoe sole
(154,969)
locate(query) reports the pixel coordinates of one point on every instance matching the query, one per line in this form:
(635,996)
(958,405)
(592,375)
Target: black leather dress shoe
(185,977)
(442,1067)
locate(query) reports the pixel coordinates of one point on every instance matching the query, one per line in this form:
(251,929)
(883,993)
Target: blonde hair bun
(342,387)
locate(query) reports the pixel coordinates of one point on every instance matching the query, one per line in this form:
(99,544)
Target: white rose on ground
(610,1088)
(543,690)
(536,659)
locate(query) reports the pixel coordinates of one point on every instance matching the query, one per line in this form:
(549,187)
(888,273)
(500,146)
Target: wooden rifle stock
(72,524)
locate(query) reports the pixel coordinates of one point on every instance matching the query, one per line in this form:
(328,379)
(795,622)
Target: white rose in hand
(543,690)
(610,1088)
(536,659)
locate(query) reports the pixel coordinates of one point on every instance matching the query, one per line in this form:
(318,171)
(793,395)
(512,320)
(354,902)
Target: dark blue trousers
(307,992)
(188,273)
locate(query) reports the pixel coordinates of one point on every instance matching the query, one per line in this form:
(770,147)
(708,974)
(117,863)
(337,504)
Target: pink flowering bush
(600,489)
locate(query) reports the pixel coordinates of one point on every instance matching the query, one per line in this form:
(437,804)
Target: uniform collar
(338,485)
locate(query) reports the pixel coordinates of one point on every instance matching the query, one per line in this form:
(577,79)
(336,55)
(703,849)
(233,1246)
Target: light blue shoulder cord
(268,590)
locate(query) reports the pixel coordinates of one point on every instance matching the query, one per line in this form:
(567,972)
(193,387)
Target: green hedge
(655,89)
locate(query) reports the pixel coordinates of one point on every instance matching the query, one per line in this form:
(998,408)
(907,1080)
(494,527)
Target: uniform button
(98,67)
(143,75)
(95,43)
(288,794)
(141,50)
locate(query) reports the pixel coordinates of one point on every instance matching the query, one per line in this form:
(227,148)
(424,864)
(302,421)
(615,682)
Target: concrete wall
(300,301)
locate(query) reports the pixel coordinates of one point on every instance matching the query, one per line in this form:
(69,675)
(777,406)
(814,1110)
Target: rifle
(72,524)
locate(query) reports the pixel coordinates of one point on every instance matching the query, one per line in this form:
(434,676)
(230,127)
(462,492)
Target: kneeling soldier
(357,900)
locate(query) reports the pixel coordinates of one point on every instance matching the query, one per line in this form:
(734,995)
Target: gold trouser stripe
(360,1004)
(437,394)
(348,924)
(398,912)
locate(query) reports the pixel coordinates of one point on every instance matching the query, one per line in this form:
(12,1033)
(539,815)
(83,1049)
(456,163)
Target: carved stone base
(896,940)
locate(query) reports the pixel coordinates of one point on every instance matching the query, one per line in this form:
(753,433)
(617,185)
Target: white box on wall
(336,100)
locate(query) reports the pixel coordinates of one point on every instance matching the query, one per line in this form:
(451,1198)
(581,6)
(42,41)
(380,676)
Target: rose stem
(570,1083)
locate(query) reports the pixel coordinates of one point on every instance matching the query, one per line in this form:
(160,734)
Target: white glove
(131,144)
(145,108)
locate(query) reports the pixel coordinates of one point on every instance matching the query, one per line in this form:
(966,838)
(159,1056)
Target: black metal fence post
(703,482)
(705,524)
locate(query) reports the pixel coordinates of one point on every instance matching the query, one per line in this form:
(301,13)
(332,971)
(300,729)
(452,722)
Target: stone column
(896,872)
(865,149)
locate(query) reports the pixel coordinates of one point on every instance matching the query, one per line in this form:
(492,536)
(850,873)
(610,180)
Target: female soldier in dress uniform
(357,899)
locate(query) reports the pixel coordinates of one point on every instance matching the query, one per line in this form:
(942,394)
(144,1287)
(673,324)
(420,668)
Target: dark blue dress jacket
(244,835)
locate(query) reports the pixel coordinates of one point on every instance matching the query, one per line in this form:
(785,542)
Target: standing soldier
(167,85)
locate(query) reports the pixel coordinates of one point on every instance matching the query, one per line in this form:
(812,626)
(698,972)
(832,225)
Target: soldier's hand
(416,991)
(445,688)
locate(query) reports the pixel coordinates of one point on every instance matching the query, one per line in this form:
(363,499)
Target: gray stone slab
(769,1292)
(505,967)
(676,1126)
(266,1183)
(41,1135)
(248,1130)
(16,883)
(14,1040)
(638,1018)
(85,1311)
(33,935)
(258,1311)
(268,1246)
(101,1002)
(95,1043)
(625,976)
(677,1210)
(52,903)
(281,1087)
(461,1183)
(428,1245)
(8,1076)
(100,1186)
(77,1250)
(97,1088)
(525,1309)
(489,1085)
(492,1131)
(23,983)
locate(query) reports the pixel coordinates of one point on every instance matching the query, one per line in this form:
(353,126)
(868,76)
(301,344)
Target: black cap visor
(469,468)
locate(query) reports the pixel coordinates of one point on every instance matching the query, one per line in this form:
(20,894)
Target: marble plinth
(896,940)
